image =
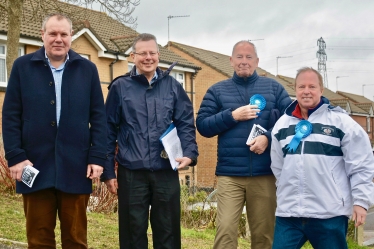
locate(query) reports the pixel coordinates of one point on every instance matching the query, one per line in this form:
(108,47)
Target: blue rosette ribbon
(302,129)
(258,100)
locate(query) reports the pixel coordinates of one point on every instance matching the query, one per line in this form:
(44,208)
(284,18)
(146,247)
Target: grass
(103,229)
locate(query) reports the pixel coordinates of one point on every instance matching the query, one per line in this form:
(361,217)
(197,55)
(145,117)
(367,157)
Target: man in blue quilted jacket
(243,170)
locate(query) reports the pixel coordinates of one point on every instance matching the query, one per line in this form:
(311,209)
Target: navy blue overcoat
(61,153)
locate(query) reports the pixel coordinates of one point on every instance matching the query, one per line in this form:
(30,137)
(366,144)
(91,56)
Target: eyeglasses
(144,54)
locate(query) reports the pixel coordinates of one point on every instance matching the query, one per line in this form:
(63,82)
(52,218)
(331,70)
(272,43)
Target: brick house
(101,39)
(216,67)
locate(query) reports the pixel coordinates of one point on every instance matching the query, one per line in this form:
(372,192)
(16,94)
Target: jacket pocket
(339,192)
(26,141)
(165,109)
(85,136)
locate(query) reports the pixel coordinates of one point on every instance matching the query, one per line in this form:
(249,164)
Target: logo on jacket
(327,131)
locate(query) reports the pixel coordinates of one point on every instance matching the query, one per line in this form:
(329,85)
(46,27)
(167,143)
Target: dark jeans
(137,191)
(293,232)
(41,208)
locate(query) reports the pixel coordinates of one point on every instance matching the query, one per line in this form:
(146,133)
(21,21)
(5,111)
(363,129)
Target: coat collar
(240,80)
(293,106)
(39,55)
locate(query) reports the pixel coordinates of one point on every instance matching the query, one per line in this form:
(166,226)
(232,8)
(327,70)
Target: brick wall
(206,77)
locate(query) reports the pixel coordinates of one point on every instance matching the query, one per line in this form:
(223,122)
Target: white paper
(29,174)
(256,131)
(173,147)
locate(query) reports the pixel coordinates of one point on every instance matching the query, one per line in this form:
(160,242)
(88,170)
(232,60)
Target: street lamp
(337,81)
(281,57)
(364,86)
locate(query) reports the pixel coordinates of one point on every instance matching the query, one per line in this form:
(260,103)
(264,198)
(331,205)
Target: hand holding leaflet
(256,131)
(29,174)
(172,145)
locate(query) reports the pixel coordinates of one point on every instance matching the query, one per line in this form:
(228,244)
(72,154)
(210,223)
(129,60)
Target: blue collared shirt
(155,76)
(57,77)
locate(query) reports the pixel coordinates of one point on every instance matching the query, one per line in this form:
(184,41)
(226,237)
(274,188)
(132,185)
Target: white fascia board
(359,114)
(27,41)
(128,51)
(97,44)
(111,56)
(176,67)
(91,37)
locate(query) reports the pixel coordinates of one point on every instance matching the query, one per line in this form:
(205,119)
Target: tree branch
(2,7)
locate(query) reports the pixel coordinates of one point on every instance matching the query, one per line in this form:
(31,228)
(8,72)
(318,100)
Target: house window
(179,76)
(3,72)
(85,56)
(2,65)
(368,124)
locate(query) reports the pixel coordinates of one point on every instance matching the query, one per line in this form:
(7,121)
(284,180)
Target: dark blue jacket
(30,131)
(215,118)
(138,114)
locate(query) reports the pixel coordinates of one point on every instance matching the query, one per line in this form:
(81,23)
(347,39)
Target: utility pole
(169,17)
(322,58)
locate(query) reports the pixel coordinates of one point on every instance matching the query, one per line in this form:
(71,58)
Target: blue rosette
(302,130)
(258,100)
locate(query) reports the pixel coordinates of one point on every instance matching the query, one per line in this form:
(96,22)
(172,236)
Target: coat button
(53,123)
(52,102)
(50,83)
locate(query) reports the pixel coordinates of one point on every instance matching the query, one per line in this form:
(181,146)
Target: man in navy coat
(54,120)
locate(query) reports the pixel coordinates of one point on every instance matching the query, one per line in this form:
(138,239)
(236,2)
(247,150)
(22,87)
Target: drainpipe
(192,102)
(111,67)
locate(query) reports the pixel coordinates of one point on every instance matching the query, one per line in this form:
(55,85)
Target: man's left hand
(183,162)
(259,144)
(359,215)
(94,171)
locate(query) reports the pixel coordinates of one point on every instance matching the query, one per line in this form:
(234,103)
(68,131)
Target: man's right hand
(245,112)
(112,185)
(16,170)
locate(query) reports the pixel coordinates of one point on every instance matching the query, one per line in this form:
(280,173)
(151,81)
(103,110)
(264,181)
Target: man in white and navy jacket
(324,166)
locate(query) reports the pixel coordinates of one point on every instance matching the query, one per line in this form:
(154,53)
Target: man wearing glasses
(140,107)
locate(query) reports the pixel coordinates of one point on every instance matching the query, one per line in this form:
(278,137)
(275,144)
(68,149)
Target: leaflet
(29,174)
(172,145)
(256,131)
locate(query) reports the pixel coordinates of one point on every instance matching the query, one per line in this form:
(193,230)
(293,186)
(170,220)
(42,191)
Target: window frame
(21,52)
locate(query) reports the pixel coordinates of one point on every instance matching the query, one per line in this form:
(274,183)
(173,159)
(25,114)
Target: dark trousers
(293,232)
(41,209)
(137,191)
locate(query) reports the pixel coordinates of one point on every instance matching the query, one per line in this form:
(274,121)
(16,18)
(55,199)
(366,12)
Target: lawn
(102,229)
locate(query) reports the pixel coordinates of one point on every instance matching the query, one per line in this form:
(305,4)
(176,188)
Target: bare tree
(13,12)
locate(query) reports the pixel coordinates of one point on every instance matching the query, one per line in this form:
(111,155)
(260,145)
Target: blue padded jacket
(215,118)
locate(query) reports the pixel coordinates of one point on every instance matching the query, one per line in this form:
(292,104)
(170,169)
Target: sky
(287,28)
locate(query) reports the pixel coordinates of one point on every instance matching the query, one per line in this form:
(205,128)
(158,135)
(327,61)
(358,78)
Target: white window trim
(3,56)
(182,81)
(20,49)
(368,123)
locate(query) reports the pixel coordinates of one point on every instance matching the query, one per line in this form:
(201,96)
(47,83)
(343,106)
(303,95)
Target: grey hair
(143,37)
(310,69)
(59,17)
(244,41)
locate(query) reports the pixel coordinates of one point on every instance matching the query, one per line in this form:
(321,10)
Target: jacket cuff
(361,204)
(96,157)
(13,158)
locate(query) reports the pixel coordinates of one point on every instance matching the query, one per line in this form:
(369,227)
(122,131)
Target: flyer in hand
(256,131)
(29,174)
(172,145)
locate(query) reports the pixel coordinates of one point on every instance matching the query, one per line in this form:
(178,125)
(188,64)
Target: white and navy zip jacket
(331,170)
